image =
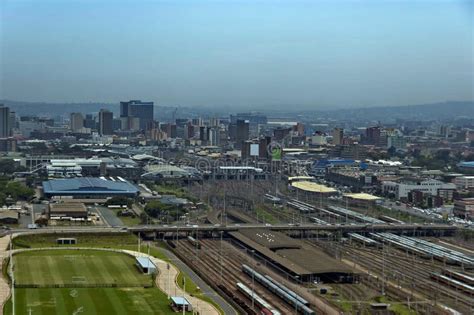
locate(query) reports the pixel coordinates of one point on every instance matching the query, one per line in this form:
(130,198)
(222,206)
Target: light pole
(12,276)
(222,232)
(253,279)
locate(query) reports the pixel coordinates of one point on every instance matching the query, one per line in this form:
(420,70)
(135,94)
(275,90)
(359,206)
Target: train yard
(410,273)
(221,264)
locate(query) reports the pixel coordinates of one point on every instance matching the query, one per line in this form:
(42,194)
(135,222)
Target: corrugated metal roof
(87,185)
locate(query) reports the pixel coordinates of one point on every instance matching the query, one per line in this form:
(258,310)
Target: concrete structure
(5,127)
(76,122)
(464,182)
(318,139)
(337,136)
(353,177)
(397,142)
(464,208)
(68,209)
(431,187)
(144,111)
(88,188)
(8,144)
(66,241)
(105,122)
(9,217)
(242,132)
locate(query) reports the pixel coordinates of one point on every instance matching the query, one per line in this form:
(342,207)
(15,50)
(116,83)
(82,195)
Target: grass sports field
(80,271)
(117,301)
(75,268)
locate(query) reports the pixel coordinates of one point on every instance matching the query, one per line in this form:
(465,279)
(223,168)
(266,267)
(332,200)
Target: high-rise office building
(5,127)
(197,122)
(372,135)
(214,136)
(141,110)
(76,122)
(13,123)
(203,135)
(242,132)
(188,131)
(89,122)
(116,124)
(105,122)
(337,136)
(214,122)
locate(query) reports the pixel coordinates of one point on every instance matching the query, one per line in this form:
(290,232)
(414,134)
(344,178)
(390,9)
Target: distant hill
(437,111)
(445,111)
(55,109)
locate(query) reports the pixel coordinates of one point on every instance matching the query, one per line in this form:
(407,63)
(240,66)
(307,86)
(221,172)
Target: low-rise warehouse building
(68,209)
(88,188)
(9,217)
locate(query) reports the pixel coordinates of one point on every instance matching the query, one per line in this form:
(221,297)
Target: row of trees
(14,190)
(163,212)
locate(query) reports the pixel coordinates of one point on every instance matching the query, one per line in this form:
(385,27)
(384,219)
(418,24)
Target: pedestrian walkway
(4,286)
(167,282)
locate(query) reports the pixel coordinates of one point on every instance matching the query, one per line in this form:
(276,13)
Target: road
(205,288)
(108,216)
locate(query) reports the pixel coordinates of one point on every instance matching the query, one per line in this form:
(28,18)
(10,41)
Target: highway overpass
(407,229)
(412,229)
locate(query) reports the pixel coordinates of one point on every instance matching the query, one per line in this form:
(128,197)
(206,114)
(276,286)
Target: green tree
(157,209)
(18,191)
(119,201)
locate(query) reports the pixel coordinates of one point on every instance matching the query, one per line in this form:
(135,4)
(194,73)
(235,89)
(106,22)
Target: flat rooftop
(87,185)
(145,262)
(362,196)
(293,255)
(313,187)
(66,207)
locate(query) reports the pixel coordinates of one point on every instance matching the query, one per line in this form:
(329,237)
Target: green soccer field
(78,268)
(117,301)
(80,271)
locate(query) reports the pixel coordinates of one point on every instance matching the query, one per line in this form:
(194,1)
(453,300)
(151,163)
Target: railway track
(209,263)
(410,273)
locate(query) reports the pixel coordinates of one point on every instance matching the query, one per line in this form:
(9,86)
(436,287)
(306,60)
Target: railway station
(296,258)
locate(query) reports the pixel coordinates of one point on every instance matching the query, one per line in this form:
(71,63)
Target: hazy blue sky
(244,53)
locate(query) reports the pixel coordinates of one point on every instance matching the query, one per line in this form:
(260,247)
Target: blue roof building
(88,187)
(146,265)
(469,165)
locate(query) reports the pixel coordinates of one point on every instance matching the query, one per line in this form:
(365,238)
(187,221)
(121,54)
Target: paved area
(166,281)
(205,288)
(4,286)
(108,216)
